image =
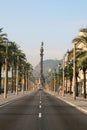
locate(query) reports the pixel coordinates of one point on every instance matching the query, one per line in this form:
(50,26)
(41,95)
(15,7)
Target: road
(41,111)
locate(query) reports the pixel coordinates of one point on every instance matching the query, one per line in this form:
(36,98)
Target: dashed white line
(40,115)
(40,106)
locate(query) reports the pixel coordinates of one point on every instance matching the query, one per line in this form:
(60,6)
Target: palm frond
(83,30)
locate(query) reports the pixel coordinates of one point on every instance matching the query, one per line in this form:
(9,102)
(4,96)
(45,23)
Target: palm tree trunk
(76,87)
(66,84)
(12,81)
(70,85)
(14,84)
(84,94)
(0,77)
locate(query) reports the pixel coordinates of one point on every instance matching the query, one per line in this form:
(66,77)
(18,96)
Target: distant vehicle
(40,88)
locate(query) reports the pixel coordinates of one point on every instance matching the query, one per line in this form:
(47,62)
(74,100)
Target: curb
(77,107)
(11,100)
(72,104)
(16,97)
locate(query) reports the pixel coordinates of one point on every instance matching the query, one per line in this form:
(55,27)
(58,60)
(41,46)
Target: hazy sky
(55,22)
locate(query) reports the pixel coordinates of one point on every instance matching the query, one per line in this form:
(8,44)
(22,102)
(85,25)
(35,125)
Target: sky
(54,22)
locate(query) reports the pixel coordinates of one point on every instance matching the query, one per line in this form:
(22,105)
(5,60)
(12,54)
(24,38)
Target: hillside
(48,65)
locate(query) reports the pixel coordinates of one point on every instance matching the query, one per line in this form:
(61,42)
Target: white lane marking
(40,101)
(40,106)
(40,115)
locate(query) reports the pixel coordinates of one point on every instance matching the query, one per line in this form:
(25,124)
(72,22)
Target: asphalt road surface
(41,111)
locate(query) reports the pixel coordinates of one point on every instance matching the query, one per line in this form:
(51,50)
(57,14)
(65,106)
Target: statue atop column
(41,65)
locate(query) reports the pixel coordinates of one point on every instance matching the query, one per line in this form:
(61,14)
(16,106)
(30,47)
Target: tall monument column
(41,65)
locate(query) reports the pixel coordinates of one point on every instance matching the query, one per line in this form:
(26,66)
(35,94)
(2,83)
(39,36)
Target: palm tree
(12,60)
(2,35)
(70,73)
(22,64)
(2,52)
(82,64)
(28,69)
(15,59)
(70,68)
(66,76)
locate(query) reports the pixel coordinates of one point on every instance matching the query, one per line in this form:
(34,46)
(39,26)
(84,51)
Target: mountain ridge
(48,65)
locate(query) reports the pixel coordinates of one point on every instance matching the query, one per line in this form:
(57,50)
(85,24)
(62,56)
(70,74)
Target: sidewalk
(80,103)
(11,97)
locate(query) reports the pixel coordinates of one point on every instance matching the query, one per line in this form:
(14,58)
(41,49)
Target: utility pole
(41,65)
